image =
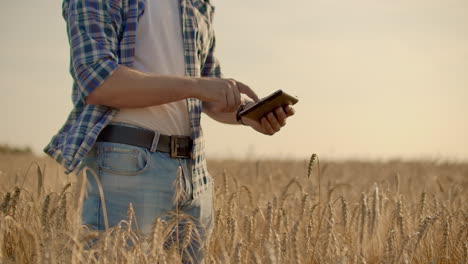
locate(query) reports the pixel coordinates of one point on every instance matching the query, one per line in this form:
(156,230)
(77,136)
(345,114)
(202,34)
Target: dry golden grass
(266,212)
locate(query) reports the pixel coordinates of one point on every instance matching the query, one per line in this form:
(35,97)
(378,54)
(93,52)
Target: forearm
(129,88)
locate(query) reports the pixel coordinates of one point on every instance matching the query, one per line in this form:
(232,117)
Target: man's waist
(168,119)
(176,146)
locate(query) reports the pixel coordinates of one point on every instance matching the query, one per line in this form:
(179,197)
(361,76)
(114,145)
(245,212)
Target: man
(143,71)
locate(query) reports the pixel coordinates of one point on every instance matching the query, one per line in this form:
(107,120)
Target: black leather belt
(176,146)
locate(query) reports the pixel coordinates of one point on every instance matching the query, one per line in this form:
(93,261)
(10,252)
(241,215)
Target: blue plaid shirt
(102,36)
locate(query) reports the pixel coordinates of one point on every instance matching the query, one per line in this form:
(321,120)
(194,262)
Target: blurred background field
(267,211)
(375,78)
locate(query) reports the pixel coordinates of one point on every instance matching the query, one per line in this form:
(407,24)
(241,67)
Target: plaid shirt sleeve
(93,41)
(212,67)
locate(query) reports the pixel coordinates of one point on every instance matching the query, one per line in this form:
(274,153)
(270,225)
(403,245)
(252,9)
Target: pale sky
(376,79)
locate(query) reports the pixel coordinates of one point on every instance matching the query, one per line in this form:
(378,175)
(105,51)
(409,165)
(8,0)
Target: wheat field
(269,211)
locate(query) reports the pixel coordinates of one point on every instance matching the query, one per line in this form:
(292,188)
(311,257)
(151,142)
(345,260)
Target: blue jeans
(131,174)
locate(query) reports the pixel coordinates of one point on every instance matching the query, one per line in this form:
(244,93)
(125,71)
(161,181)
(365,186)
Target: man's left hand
(272,122)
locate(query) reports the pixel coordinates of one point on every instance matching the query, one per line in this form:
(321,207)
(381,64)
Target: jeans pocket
(122,159)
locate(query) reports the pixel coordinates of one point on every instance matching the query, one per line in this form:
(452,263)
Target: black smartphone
(268,104)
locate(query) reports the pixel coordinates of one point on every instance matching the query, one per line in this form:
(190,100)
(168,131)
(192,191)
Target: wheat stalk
(6,203)
(345,213)
(363,218)
(304,204)
(330,237)
(14,200)
(295,242)
(422,205)
(400,217)
(269,221)
(238,253)
(101,194)
(445,246)
(423,227)
(390,247)
(375,210)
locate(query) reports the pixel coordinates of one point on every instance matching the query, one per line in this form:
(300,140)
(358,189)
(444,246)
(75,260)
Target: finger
(237,97)
(236,93)
(247,91)
(221,104)
(229,97)
(229,101)
(273,122)
(266,126)
(281,115)
(289,110)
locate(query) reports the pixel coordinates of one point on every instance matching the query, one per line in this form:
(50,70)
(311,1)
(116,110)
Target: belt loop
(154,145)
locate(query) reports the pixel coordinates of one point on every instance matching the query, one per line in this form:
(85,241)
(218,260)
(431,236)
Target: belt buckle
(175,147)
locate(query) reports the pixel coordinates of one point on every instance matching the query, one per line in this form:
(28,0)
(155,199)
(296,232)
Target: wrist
(199,88)
(196,85)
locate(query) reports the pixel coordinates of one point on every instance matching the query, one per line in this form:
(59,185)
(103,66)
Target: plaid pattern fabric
(102,36)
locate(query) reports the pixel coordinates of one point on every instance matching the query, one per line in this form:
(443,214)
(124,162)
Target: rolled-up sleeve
(211,66)
(93,37)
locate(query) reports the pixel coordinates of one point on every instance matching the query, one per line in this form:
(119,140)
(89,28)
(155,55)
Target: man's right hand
(130,88)
(222,95)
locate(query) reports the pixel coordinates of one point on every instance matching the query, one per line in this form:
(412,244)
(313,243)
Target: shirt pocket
(122,159)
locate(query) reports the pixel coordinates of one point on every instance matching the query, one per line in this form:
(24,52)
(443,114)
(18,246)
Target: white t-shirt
(159,49)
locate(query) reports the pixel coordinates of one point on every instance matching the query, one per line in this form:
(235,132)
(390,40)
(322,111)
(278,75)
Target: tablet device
(268,104)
